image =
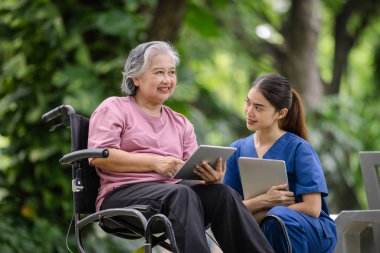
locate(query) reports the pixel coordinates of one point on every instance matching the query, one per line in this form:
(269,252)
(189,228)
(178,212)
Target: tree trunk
(167,20)
(346,35)
(297,58)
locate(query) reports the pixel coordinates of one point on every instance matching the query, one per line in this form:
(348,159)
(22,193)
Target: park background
(55,52)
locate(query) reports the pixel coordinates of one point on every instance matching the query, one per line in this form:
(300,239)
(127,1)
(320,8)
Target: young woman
(148,142)
(274,113)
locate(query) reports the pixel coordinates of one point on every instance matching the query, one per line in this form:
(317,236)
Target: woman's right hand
(277,195)
(167,165)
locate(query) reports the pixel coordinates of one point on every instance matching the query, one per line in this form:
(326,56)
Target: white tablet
(258,175)
(203,153)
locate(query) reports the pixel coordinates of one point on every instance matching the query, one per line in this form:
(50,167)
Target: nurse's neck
(267,137)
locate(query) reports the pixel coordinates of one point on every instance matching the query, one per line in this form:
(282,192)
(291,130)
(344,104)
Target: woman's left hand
(210,175)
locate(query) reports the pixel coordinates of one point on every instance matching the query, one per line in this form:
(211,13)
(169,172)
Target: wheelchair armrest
(83,154)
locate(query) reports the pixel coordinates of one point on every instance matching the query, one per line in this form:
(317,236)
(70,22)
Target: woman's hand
(210,175)
(167,165)
(277,195)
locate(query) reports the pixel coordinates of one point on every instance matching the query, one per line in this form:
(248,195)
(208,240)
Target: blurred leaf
(55,52)
(119,23)
(201,20)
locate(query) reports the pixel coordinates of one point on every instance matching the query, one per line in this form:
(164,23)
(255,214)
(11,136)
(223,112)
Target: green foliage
(341,128)
(41,236)
(338,155)
(51,53)
(201,19)
(56,52)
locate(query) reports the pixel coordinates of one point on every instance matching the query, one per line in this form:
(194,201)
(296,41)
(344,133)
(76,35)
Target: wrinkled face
(259,113)
(159,80)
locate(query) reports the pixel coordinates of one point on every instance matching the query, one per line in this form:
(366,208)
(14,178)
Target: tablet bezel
(258,175)
(203,153)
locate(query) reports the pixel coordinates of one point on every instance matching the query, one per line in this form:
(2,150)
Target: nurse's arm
(311,205)
(255,205)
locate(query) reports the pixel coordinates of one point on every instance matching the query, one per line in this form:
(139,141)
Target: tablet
(203,153)
(258,175)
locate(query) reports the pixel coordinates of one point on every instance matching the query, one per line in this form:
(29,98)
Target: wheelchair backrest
(84,201)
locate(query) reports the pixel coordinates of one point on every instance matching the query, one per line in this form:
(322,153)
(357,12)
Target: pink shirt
(118,122)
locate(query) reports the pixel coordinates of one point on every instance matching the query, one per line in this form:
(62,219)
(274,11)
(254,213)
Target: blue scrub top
(305,174)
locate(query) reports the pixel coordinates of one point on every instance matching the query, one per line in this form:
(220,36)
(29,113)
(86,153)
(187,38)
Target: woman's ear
(282,113)
(136,81)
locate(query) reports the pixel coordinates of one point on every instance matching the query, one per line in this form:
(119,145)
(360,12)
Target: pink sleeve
(105,128)
(189,141)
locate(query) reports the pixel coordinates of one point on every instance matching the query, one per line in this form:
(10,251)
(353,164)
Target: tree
(290,32)
(167,20)
(295,33)
(55,52)
(350,22)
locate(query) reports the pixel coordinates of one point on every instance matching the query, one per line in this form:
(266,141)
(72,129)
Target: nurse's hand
(167,165)
(277,195)
(210,175)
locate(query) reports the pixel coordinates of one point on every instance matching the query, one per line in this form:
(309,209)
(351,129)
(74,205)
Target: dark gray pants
(189,207)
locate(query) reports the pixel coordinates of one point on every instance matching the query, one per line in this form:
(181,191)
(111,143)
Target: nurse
(274,112)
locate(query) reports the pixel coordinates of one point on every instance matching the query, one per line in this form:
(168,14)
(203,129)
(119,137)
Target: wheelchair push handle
(60,110)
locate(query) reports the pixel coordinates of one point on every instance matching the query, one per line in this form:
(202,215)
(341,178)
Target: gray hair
(139,59)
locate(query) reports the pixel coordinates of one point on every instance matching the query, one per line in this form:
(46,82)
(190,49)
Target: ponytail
(294,121)
(279,92)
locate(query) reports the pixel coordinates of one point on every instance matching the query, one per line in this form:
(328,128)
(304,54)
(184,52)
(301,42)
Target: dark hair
(278,91)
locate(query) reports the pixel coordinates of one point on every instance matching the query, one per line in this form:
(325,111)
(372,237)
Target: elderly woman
(148,143)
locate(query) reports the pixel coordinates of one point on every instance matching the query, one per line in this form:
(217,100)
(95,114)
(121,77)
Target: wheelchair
(131,222)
